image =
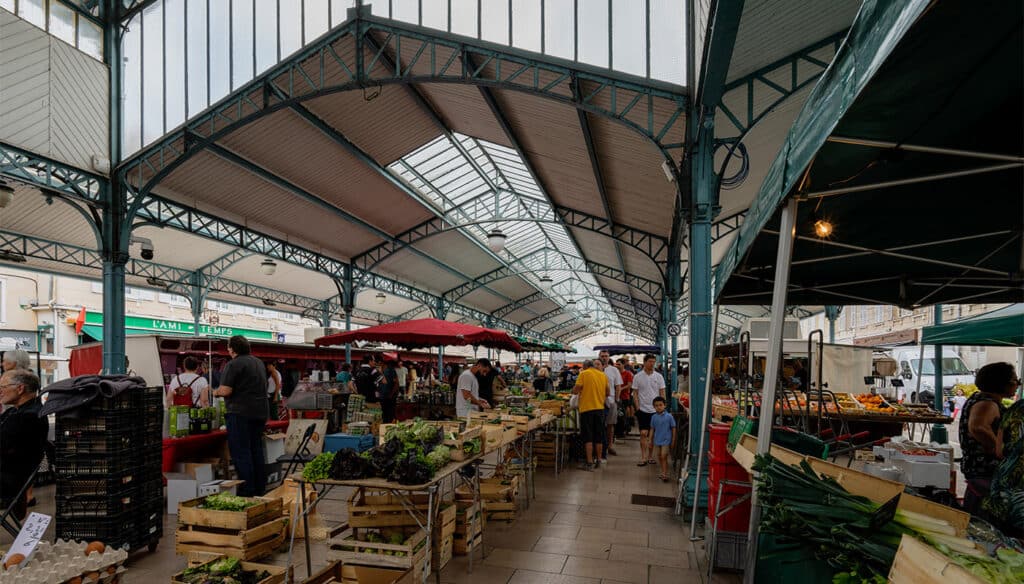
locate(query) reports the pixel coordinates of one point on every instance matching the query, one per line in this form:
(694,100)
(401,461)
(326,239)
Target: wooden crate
(367,508)
(354,551)
(461,546)
(491,489)
(248,544)
(509,436)
(278,575)
(266,510)
(444,522)
(461,438)
(441,553)
(339,573)
(500,510)
(919,563)
(552,406)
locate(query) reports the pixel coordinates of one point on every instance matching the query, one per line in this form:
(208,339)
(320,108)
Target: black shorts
(643,419)
(592,426)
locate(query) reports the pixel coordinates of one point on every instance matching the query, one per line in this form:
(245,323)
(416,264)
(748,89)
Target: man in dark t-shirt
(387,390)
(486,382)
(243,385)
(22,435)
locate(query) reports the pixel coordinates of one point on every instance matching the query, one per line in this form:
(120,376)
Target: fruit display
(876,404)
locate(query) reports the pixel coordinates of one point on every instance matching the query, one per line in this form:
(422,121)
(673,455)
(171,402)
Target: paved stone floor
(581,528)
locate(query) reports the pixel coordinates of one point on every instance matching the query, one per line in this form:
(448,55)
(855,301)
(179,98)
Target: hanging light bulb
(546,282)
(587,316)
(823,228)
(570,303)
(268,267)
(496,240)
(380,297)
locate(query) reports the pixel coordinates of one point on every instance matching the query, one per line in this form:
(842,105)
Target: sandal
(664,478)
(642,463)
(652,461)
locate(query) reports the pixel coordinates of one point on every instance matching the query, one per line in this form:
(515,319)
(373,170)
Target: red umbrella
(426,332)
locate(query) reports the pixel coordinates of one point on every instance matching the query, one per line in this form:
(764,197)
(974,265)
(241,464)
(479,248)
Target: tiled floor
(581,529)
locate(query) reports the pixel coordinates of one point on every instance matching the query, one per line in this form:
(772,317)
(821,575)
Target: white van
(954,371)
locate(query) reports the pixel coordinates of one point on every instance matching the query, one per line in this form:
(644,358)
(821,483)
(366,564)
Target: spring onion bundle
(855,535)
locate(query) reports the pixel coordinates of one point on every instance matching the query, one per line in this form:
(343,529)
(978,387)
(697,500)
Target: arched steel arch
(320,69)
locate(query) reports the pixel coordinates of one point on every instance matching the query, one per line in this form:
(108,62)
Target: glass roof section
(474,182)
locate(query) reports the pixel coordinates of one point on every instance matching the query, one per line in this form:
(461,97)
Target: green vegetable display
(439,457)
(857,536)
(319,468)
(471,446)
(223,571)
(227,502)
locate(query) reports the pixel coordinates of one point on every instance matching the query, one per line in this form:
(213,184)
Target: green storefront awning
(999,328)
(96,332)
(142,325)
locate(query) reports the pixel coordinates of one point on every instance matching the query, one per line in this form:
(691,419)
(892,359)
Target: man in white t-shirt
(611,405)
(467,393)
(647,385)
(403,376)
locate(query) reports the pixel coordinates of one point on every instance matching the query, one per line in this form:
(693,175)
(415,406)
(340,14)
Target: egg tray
(66,563)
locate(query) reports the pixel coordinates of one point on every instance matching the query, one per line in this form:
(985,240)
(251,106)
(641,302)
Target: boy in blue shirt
(663,426)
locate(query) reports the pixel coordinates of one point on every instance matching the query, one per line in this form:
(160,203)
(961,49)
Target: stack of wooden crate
(469,527)
(249,534)
(498,495)
(544,450)
(444,532)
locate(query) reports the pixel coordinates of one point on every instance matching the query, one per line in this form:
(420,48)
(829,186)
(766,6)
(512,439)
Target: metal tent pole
(771,374)
(939,433)
(702,423)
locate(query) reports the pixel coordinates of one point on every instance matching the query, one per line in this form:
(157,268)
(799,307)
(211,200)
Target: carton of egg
(66,562)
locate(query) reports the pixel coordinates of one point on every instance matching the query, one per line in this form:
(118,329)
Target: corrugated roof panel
(290,147)
(29,214)
(774,29)
(454,250)
(418,272)
(393,305)
(484,299)
(208,178)
(639,195)
(173,247)
(370,124)
(639,264)
(464,110)
(287,278)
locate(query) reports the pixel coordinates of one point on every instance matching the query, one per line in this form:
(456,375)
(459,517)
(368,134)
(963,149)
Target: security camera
(146,245)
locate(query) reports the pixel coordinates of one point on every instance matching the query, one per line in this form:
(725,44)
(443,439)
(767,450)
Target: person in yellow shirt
(592,387)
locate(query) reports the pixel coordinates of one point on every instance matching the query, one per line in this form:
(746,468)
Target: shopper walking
(486,381)
(403,378)
(647,385)
(366,379)
(663,428)
(243,385)
(612,411)
(543,381)
(626,395)
(387,392)
(22,437)
(591,387)
(274,386)
(467,393)
(344,377)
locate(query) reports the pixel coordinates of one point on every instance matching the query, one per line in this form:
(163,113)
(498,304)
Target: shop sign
(24,340)
(159,325)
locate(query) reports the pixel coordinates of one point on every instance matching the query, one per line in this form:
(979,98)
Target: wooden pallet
(264,510)
(367,508)
(356,551)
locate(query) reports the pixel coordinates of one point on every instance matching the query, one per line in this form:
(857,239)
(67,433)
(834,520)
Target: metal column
(772,368)
(348,327)
(115,232)
(702,210)
(832,313)
(197,299)
(939,433)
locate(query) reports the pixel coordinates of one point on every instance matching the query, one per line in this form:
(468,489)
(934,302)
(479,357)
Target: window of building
(220,306)
(173,299)
(62,21)
(138,294)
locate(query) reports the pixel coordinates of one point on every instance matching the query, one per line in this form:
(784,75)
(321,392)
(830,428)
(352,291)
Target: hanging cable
(737,179)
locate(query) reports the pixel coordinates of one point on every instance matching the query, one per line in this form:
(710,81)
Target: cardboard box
(180,487)
(924,474)
(200,471)
(274,473)
(273,446)
(219,486)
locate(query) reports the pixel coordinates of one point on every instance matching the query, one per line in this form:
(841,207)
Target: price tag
(31,532)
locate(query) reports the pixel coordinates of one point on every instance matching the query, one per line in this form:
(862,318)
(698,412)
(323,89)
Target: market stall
(892,120)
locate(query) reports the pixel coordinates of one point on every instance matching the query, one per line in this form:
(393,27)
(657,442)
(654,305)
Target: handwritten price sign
(31,532)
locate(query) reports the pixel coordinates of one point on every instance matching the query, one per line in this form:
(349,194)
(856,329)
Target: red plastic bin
(718,440)
(738,518)
(725,470)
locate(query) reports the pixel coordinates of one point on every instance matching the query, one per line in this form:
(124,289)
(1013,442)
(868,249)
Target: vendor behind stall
(243,385)
(979,429)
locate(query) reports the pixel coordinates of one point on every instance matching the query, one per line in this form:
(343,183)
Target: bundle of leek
(855,535)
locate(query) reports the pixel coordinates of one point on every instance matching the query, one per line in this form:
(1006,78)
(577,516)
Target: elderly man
(16,359)
(22,435)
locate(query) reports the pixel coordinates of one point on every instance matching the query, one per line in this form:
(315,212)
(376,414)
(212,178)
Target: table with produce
(393,511)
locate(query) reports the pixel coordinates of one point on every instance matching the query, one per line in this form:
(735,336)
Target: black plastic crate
(75,506)
(130,400)
(152,489)
(69,441)
(115,482)
(91,465)
(135,529)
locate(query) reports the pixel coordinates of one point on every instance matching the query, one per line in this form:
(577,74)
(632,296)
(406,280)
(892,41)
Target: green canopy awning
(910,146)
(999,328)
(96,332)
